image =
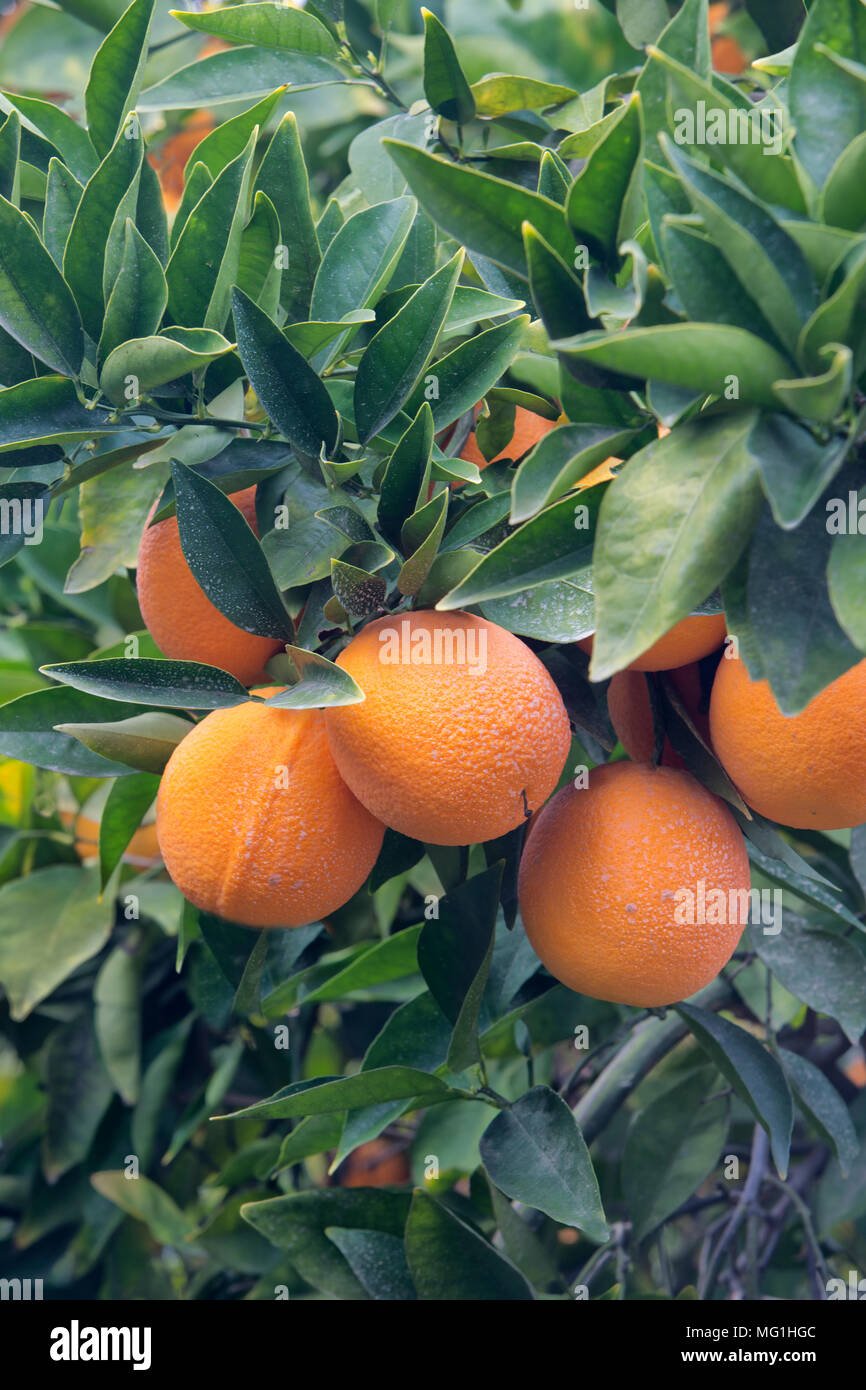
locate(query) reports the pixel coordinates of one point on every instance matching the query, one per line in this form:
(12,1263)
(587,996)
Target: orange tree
(389,234)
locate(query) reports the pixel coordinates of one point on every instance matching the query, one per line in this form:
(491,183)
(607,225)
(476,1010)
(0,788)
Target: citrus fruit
(628,704)
(255,823)
(806,770)
(143,849)
(462,734)
(178,614)
(528,429)
(688,640)
(378,1163)
(611,876)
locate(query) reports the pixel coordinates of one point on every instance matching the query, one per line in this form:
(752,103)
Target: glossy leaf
(404,483)
(445,85)
(116,178)
(282,176)
(128,801)
(326,1094)
(115,75)
(28,729)
(269,26)
(468,372)
(178,684)
(36,307)
(75,924)
(144,742)
(559,460)
(596,199)
(449,1261)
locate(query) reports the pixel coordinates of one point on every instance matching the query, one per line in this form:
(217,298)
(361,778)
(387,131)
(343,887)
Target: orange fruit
(462,733)
(375,1164)
(602,473)
(528,429)
(688,640)
(607,876)
(255,823)
(178,614)
(143,849)
(628,704)
(806,770)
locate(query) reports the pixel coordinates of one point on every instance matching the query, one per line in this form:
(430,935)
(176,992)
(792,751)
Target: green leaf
(115,75)
(407,475)
(117,1016)
(559,460)
(117,176)
(283,177)
(837,319)
(377,1260)
(230,138)
(556,291)
(138,300)
(828,107)
(825,971)
(672,1147)
(139,366)
(360,259)
(767,262)
(204,263)
(287,386)
(753,1072)
(597,198)
(62,196)
(320,683)
(396,357)
(680,512)
(821,397)
(327,1094)
(500,93)
(177,684)
(266,25)
(10,151)
(642,20)
(297,1224)
(781,579)
(259,272)
(535,1153)
(145,1201)
(769,174)
(796,467)
(466,373)
(687,39)
(783,868)
(144,742)
(240,74)
(704,282)
(225,557)
(702,357)
(554,177)
(454,955)
(360,593)
(551,546)
(823,1106)
(391,959)
(128,801)
(74,924)
(843,199)
(36,307)
(421,536)
(445,85)
(28,729)
(485,214)
(60,129)
(449,1261)
(79,1093)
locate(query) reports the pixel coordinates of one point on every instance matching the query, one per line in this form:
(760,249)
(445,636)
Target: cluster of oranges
(275,817)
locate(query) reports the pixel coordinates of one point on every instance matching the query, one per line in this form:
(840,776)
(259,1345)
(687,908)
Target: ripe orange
(462,733)
(181,618)
(602,473)
(806,770)
(528,429)
(688,640)
(628,704)
(605,881)
(143,849)
(375,1164)
(255,823)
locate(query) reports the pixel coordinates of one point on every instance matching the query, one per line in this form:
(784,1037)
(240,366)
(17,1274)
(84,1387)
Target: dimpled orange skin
(806,770)
(598,880)
(255,823)
(178,614)
(688,640)
(628,704)
(439,753)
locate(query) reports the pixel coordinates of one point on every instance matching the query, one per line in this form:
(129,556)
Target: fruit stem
(650,1042)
